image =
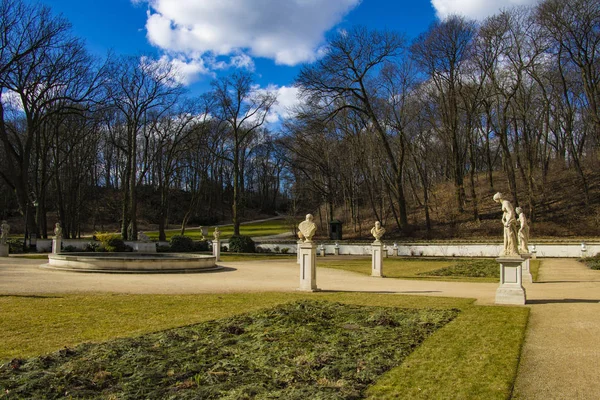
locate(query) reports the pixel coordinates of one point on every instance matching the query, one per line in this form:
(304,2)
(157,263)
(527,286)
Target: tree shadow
(379,291)
(31,296)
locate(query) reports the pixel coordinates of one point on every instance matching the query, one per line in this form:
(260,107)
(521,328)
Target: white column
(308,267)
(217,250)
(526,273)
(298,256)
(377,259)
(56,245)
(511,290)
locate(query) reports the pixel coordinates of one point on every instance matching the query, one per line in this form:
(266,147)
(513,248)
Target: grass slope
(264,228)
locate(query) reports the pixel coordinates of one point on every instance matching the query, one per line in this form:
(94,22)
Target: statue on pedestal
(58,233)
(307,228)
(509,221)
(523,231)
(217,233)
(5,231)
(377,231)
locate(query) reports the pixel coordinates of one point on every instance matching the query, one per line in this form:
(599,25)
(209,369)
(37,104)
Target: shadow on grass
(379,291)
(31,296)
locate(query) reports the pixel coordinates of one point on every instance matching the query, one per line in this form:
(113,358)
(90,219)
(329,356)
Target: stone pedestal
(217,250)
(336,251)
(144,247)
(308,267)
(395,252)
(511,290)
(377,259)
(4,248)
(385,252)
(56,245)
(526,273)
(298,256)
(322,252)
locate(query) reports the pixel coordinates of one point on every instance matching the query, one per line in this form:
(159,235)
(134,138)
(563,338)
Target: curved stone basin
(131,262)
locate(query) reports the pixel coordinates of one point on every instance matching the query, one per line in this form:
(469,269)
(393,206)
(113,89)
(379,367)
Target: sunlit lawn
(265,228)
(474,356)
(405,268)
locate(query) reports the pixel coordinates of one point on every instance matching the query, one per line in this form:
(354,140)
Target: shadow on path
(562,301)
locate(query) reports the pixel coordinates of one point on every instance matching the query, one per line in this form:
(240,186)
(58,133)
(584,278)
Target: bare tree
(345,79)
(241,109)
(574,25)
(139,88)
(442,52)
(50,72)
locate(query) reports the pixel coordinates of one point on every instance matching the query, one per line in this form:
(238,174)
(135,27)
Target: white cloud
(287,31)
(287,100)
(476,9)
(11,100)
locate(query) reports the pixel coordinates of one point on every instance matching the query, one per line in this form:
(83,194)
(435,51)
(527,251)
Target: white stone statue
(377,231)
(307,228)
(58,233)
(523,231)
(5,231)
(217,233)
(509,221)
(142,237)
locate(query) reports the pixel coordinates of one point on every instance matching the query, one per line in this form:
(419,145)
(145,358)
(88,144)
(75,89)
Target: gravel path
(23,276)
(561,354)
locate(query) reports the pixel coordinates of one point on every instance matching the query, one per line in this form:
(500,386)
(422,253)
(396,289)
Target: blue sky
(205,38)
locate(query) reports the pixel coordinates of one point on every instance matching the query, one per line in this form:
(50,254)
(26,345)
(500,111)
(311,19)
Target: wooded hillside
(416,134)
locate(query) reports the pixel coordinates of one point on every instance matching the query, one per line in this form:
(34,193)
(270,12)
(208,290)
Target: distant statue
(142,237)
(217,233)
(377,231)
(58,233)
(523,231)
(509,221)
(5,231)
(307,228)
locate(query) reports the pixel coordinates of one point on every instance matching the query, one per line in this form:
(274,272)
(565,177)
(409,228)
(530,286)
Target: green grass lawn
(265,228)
(463,269)
(474,356)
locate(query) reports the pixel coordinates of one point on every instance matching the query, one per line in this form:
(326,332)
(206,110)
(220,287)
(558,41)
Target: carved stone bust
(307,228)
(377,231)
